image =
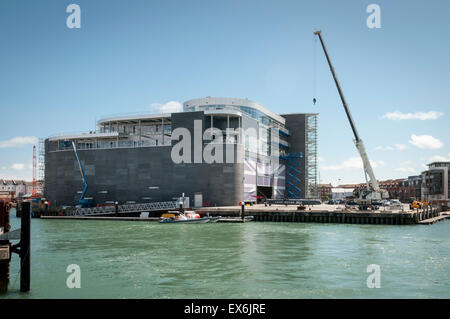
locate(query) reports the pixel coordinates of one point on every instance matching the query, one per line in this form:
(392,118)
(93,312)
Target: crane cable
(314,70)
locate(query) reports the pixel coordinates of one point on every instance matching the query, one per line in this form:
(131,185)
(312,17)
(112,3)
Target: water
(120,259)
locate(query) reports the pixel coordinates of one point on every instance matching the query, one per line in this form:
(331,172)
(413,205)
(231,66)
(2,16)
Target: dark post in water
(5,253)
(25,248)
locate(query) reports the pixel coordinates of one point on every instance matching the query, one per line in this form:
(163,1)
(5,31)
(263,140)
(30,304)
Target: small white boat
(186,217)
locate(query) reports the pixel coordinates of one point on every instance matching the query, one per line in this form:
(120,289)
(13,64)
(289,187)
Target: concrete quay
(311,214)
(325,214)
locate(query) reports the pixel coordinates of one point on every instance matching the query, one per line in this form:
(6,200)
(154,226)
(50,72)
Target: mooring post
(46,208)
(4,258)
(25,248)
(242,211)
(116,204)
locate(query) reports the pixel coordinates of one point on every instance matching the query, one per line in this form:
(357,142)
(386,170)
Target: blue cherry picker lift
(82,202)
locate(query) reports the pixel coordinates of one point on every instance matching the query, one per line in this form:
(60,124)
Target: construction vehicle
(418,204)
(370,196)
(83,202)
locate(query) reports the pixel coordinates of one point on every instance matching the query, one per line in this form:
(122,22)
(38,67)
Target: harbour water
(120,259)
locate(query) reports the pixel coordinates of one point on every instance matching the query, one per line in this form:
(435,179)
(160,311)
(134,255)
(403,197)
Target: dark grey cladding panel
(296,124)
(187,120)
(234,122)
(132,175)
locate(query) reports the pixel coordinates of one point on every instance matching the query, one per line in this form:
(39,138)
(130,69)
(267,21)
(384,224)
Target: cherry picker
(82,201)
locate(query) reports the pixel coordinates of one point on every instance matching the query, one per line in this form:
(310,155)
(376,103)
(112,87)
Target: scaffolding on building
(41,161)
(292,174)
(311,190)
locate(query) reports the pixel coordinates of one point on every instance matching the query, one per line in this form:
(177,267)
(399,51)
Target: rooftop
(134,118)
(236,102)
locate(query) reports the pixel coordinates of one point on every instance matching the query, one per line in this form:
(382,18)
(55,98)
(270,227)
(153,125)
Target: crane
(83,202)
(373,192)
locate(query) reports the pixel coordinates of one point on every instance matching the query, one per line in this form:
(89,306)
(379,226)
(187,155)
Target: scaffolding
(292,174)
(41,161)
(311,190)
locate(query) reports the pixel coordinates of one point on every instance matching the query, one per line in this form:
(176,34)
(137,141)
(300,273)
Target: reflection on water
(254,260)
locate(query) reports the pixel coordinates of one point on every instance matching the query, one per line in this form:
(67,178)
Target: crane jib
(336,81)
(358,142)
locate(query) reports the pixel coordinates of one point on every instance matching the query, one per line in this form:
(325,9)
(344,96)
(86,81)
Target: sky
(135,56)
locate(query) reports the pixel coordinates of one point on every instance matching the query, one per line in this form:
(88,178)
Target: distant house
(19,188)
(324,191)
(339,193)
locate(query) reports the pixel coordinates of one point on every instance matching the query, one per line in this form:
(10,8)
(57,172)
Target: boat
(186,217)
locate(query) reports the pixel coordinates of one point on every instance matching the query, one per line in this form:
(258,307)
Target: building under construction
(131,158)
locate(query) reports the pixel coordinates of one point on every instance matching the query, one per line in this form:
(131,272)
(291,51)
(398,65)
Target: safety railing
(121,209)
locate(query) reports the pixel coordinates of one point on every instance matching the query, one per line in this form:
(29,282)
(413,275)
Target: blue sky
(128,55)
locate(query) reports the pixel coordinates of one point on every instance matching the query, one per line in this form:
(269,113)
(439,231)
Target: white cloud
(320,159)
(425,141)
(18,166)
(169,107)
(19,141)
(16,171)
(397,115)
(406,169)
(384,148)
(399,147)
(351,163)
(439,158)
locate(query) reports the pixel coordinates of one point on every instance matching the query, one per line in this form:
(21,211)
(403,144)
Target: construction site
(128,159)
(126,166)
(307,141)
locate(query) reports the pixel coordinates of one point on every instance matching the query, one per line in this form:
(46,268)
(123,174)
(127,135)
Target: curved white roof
(233,101)
(134,117)
(70,136)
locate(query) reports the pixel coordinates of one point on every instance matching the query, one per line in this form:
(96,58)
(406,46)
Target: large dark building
(218,151)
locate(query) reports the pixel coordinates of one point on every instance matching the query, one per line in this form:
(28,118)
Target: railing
(427,213)
(87,133)
(293,202)
(121,209)
(281,130)
(116,116)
